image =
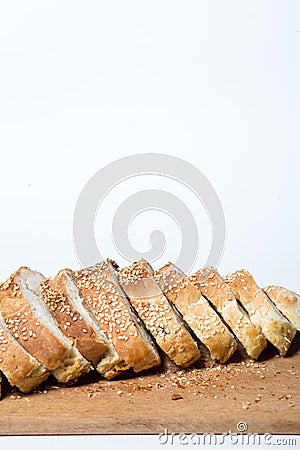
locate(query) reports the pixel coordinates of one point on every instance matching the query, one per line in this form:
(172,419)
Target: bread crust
(288,302)
(147,356)
(69,320)
(277,329)
(214,288)
(64,361)
(157,314)
(26,327)
(19,367)
(197,312)
(105,300)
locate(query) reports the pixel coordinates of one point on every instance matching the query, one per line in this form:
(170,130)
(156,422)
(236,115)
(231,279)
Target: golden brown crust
(157,314)
(70,321)
(277,329)
(197,312)
(220,295)
(26,327)
(144,352)
(288,302)
(105,300)
(17,365)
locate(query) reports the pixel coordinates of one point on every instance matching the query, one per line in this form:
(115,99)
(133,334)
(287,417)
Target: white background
(216,83)
(83,83)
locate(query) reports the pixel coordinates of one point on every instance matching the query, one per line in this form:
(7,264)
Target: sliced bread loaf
(288,302)
(214,288)
(277,329)
(160,317)
(197,312)
(101,290)
(32,325)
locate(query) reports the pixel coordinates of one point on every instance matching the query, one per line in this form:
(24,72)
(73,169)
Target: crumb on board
(176,397)
(214,382)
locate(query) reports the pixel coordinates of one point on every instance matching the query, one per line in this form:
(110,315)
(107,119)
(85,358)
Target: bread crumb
(176,397)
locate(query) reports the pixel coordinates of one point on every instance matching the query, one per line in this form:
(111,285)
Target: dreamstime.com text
(234,438)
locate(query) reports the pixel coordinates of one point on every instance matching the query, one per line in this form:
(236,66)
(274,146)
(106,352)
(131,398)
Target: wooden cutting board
(264,396)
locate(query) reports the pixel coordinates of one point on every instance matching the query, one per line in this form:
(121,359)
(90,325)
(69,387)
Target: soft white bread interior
(32,324)
(63,298)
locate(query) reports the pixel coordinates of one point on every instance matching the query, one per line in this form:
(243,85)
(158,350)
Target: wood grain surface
(264,395)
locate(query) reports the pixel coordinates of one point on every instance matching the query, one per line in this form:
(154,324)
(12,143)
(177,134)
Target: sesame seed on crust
(101,290)
(157,313)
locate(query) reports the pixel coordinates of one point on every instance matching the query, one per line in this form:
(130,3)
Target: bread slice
(63,297)
(277,329)
(197,312)
(142,353)
(161,319)
(288,303)
(101,290)
(19,367)
(31,323)
(214,288)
